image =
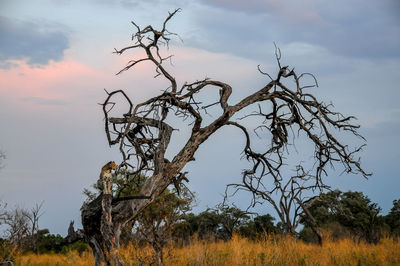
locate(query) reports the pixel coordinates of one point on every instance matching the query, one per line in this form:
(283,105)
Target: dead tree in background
(289,197)
(22,226)
(143,134)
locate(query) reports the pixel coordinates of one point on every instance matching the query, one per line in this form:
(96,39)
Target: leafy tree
(206,224)
(219,223)
(393,218)
(351,212)
(361,216)
(259,226)
(48,243)
(157,220)
(231,218)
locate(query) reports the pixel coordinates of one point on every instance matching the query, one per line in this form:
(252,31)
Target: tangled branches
(143,133)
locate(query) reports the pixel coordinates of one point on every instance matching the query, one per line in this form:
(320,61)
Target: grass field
(241,251)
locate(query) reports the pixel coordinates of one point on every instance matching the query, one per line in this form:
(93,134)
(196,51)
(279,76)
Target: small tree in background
(22,227)
(231,219)
(155,224)
(260,226)
(206,224)
(393,219)
(289,197)
(348,214)
(3,212)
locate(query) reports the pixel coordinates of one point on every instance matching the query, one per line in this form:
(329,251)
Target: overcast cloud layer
(37,43)
(56,59)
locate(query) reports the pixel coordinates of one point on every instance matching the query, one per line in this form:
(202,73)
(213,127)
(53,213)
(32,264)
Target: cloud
(138,4)
(43,101)
(54,84)
(295,11)
(364,29)
(353,29)
(36,43)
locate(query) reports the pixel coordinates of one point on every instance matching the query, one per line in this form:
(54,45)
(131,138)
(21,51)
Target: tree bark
(100,231)
(159,254)
(110,233)
(312,223)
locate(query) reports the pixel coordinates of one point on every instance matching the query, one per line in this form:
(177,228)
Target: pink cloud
(24,82)
(77,87)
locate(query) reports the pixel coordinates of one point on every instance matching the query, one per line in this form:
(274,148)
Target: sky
(56,60)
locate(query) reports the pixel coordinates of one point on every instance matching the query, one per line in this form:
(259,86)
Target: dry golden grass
(241,251)
(71,258)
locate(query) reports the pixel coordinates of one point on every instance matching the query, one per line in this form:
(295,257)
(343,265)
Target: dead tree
(3,212)
(289,197)
(143,134)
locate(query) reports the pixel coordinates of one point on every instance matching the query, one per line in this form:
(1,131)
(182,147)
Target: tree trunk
(159,253)
(312,223)
(100,232)
(110,233)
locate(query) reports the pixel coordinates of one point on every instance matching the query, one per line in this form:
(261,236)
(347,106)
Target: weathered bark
(91,222)
(110,232)
(159,254)
(100,230)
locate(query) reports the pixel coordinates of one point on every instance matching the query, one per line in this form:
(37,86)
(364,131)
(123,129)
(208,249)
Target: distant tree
(260,226)
(7,249)
(231,218)
(156,222)
(265,223)
(361,216)
(33,217)
(353,211)
(284,106)
(17,229)
(3,212)
(218,223)
(393,218)
(205,224)
(48,243)
(289,197)
(22,227)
